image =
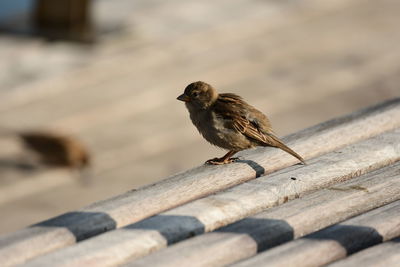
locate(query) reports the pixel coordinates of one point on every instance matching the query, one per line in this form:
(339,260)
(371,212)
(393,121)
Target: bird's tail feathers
(278,143)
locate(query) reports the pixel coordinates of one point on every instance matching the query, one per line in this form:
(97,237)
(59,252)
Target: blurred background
(108,73)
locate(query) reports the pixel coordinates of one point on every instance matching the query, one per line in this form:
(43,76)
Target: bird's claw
(221,161)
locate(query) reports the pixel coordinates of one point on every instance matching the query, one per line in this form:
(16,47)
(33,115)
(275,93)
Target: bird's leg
(224,160)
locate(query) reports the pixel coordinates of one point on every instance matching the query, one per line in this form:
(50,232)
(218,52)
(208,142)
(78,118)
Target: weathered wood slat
(209,213)
(204,180)
(383,255)
(335,242)
(274,226)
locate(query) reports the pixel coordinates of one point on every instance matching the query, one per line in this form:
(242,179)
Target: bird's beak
(183,98)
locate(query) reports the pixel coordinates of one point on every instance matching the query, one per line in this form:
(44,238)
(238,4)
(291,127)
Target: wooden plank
(207,214)
(335,242)
(265,230)
(383,255)
(201,181)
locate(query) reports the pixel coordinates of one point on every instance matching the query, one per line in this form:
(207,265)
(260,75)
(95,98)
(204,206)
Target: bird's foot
(221,161)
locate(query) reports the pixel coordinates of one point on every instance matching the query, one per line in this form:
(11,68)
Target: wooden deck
(346,199)
(300,62)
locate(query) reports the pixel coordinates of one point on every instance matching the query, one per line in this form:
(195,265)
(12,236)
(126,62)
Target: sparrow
(227,121)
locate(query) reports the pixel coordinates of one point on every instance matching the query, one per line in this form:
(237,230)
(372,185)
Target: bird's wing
(243,118)
(251,130)
(253,124)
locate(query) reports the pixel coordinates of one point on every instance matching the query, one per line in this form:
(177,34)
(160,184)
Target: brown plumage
(227,121)
(56,150)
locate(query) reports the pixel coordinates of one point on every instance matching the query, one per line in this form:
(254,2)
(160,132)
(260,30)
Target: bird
(227,121)
(51,148)
(56,149)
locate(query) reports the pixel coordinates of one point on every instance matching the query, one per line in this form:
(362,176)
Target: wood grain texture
(201,181)
(209,213)
(280,224)
(335,242)
(383,255)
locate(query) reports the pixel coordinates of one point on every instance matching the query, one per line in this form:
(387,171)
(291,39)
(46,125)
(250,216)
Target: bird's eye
(195,94)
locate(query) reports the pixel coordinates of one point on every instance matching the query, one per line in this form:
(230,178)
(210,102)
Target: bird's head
(199,95)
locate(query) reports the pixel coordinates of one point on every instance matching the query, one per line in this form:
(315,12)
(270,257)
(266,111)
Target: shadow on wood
(156,222)
(275,232)
(260,171)
(77,223)
(353,238)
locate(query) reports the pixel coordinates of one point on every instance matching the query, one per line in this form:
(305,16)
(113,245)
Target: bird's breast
(214,129)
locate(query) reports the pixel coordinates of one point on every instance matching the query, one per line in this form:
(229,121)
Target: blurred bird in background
(55,150)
